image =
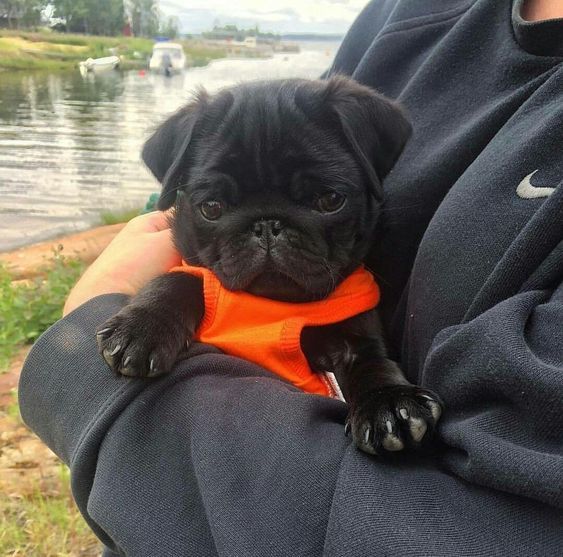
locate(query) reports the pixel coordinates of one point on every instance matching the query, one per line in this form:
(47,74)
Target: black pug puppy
(277,189)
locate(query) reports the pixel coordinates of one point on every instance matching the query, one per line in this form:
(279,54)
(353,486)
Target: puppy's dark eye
(211,210)
(330,202)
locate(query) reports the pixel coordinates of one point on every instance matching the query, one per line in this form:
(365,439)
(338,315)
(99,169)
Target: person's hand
(140,252)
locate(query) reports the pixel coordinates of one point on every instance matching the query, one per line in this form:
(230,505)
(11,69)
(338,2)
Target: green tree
(95,17)
(170,28)
(22,13)
(73,12)
(105,17)
(144,16)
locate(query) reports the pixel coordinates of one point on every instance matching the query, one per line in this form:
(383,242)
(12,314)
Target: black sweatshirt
(222,458)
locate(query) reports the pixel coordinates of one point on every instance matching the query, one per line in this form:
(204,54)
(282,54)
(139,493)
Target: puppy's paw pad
(417,429)
(434,406)
(392,443)
(398,418)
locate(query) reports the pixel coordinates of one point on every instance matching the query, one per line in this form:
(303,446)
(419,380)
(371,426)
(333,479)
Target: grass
(13,410)
(20,50)
(38,516)
(45,525)
(28,308)
(116,217)
(199,54)
(40,521)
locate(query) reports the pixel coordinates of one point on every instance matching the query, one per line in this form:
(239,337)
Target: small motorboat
(99,64)
(167,58)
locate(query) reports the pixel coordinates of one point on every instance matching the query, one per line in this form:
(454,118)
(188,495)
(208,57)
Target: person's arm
(218,457)
(222,458)
(501,375)
(143,454)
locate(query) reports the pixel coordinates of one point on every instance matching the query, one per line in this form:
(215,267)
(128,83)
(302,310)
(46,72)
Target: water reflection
(69,146)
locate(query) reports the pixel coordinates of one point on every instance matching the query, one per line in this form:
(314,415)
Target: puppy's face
(274,189)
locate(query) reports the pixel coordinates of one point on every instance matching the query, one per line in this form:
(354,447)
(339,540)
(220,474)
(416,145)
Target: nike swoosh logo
(525,190)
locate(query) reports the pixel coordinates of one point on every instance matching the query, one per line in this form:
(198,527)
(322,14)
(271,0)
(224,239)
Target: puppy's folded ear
(375,128)
(167,148)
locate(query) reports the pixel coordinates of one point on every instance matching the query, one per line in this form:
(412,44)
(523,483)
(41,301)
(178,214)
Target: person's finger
(161,220)
(163,243)
(151,222)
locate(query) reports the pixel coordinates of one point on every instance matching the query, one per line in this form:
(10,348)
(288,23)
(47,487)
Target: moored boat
(167,58)
(99,64)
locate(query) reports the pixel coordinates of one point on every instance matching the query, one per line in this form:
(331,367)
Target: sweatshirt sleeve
(69,397)
(62,390)
(204,461)
(221,458)
(501,375)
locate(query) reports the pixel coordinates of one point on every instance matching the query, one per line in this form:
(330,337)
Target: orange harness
(268,332)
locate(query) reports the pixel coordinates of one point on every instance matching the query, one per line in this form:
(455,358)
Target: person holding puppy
(219,457)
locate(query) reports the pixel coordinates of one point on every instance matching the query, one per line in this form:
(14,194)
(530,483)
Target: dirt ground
(14,451)
(27,262)
(25,462)
(37,514)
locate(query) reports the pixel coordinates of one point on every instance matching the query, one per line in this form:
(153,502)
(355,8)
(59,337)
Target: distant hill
(233,32)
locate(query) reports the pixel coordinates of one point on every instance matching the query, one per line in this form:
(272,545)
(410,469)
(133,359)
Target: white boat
(168,58)
(99,64)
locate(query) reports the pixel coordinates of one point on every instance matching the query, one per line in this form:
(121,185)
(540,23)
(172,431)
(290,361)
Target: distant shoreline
(23,50)
(313,37)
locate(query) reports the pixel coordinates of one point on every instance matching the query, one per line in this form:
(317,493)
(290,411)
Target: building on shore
(247,42)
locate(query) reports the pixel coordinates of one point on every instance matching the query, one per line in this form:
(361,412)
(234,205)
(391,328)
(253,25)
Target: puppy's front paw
(394,418)
(137,342)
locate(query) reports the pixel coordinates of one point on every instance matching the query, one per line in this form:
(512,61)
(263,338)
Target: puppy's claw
(153,369)
(347,429)
(108,357)
(124,369)
(103,331)
(365,444)
(115,350)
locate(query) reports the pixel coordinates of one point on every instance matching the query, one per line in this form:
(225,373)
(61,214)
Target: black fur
(277,188)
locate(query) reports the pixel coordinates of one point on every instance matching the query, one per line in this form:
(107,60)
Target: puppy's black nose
(267,228)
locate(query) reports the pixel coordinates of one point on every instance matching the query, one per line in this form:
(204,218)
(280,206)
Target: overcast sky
(284,16)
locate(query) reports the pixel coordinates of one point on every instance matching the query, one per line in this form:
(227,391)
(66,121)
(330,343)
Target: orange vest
(268,332)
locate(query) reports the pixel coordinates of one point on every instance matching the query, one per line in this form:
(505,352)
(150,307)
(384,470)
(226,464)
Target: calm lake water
(69,146)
